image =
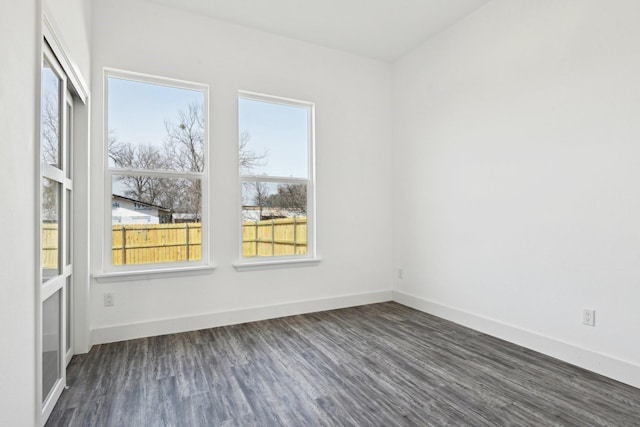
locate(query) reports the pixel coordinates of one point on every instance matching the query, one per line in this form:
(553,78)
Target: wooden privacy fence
(49,246)
(154,243)
(287,236)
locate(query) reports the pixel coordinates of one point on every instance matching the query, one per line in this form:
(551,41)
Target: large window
(156,150)
(276,175)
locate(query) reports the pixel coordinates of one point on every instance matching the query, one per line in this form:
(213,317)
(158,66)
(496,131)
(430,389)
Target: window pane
(50,343)
(50,139)
(274,219)
(155,220)
(274,139)
(50,235)
(155,127)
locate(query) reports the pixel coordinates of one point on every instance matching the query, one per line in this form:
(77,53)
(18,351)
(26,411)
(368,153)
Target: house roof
(141,202)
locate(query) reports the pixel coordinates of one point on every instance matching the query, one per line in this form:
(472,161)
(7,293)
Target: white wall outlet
(400,273)
(589,316)
(109,300)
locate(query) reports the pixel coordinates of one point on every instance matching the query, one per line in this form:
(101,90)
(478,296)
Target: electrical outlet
(589,316)
(400,273)
(109,300)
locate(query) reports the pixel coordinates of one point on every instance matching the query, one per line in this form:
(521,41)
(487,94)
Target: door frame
(56,286)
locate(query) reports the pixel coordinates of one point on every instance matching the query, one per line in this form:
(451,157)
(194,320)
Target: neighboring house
(252,213)
(130,211)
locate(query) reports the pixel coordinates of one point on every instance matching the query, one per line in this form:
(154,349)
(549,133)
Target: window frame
(151,270)
(270,262)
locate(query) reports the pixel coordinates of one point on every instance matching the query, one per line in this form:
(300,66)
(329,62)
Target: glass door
(56,228)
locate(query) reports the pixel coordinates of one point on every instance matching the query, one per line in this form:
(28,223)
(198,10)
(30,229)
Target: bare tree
(140,156)
(183,150)
(249,160)
(49,201)
(184,145)
(290,197)
(50,130)
(261,196)
(49,150)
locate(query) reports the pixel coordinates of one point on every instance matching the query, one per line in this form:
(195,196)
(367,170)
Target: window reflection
(50,140)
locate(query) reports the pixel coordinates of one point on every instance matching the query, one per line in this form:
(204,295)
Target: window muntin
(276,175)
(156,170)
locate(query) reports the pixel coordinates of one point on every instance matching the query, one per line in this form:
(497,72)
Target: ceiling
(380,29)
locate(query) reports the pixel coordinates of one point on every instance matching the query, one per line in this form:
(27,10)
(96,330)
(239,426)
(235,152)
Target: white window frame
(269,262)
(112,272)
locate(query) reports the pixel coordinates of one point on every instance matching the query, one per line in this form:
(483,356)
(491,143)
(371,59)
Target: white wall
(72,19)
(353,118)
(18,78)
(516,177)
(19,91)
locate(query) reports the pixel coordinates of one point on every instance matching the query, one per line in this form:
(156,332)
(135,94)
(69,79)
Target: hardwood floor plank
(375,365)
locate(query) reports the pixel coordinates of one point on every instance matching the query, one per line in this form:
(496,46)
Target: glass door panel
(50,116)
(50,215)
(50,344)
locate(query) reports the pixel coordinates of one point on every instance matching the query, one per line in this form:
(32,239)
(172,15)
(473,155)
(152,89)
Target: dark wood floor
(376,365)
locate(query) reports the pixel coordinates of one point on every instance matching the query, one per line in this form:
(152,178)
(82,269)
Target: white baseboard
(224,318)
(608,366)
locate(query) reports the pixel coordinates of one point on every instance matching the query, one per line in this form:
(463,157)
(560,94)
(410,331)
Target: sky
(137,112)
(279,130)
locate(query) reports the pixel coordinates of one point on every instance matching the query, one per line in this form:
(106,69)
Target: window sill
(269,265)
(124,276)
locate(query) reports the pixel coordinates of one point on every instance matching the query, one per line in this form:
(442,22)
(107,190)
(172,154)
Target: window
(157,173)
(276,175)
